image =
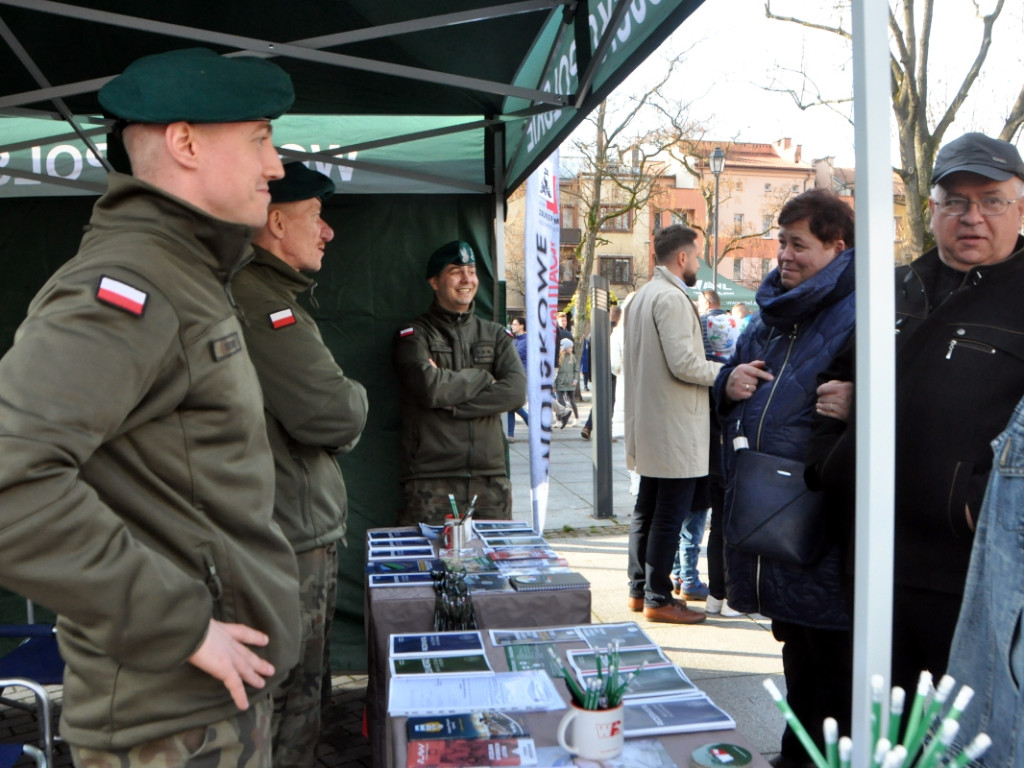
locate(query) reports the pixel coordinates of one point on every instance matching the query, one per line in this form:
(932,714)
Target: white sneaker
(715,607)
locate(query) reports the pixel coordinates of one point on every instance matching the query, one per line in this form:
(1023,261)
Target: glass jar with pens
(457,530)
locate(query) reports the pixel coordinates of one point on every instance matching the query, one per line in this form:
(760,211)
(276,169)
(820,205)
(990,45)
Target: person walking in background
(741,314)
(766,395)
(667,420)
(518,326)
(566,379)
(719,333)
(615,364)
(585,364)
(314,412)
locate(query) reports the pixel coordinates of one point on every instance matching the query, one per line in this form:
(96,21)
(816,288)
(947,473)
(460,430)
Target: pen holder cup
(453,538)
(593,734)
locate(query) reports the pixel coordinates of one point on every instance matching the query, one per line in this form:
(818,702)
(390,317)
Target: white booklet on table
(530,691)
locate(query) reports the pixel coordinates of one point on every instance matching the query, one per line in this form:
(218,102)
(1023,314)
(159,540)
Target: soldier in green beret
(137,486)
(314,412)
(459,374)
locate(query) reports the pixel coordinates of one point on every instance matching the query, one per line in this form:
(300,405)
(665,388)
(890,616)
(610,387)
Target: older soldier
(459,373)
(137,486)
(313,413)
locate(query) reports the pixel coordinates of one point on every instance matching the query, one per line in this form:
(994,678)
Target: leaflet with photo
(585,661)
(404,566)
(604,635)
(523,656)
(487,724)
(410,579)
(554,565)
(636,753)
(479,564)
(524,553)
(388,537)
(436,643)
(531,691)
(488,582)
(651,682)
(460,664)
(471,753)
(513,542)
(400,553)
(483,526)
(527,636)
(657,716)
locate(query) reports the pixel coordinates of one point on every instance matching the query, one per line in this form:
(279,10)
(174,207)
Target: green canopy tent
(426,116)
(729,291)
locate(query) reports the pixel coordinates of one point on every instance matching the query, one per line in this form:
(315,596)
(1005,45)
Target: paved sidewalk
(727,658)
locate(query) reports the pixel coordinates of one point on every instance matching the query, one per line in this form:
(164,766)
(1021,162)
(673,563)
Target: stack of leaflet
(660,698)
(399,558)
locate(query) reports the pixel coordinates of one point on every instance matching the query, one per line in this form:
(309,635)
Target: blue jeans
(512,420)
(661,506)
(684,567)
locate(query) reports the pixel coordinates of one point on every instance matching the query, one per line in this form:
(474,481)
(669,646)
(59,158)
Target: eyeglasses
(987,206)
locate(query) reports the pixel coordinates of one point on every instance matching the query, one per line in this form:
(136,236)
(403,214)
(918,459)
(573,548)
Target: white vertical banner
(541,260)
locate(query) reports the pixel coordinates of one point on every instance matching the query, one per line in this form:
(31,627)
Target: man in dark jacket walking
(459,373)
(314,412)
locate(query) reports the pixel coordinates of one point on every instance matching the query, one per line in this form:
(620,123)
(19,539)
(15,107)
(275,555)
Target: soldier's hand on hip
(225,655)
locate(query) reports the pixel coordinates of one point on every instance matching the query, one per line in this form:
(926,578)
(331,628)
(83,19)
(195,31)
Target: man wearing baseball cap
(314,412)
(459,375)
(959,376)
(137,485)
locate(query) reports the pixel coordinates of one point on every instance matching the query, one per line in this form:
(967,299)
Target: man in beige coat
(667,420)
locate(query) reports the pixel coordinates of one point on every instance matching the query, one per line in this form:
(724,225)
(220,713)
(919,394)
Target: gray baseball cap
(980,154)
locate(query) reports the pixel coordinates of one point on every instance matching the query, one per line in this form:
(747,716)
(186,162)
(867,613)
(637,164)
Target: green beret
(455,252)
(198,86)
(300,183)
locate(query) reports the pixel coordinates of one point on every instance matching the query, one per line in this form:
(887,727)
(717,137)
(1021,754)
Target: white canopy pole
(875,373)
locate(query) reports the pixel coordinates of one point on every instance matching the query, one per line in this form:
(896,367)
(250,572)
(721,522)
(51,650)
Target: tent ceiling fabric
(512,63)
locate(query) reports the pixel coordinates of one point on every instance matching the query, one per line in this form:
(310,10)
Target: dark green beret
(455,252)
(198,86)
(300,183)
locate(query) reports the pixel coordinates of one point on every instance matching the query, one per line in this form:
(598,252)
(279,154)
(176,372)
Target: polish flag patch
(121,295)
(406,332)
(282,318)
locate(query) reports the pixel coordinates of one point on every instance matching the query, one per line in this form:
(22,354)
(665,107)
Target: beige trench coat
(667,412)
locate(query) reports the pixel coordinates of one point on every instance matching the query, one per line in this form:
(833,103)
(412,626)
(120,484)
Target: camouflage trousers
(242,741)
(296,723)
(426,501)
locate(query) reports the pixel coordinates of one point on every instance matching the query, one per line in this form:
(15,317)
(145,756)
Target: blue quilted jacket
(797,333)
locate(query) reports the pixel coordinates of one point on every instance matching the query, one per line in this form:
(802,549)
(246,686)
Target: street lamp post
(717,162)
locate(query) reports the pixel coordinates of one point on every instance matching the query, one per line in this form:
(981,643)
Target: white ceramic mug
(596,734)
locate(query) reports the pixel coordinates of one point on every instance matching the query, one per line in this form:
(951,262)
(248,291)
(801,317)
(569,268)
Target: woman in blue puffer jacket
(769,393)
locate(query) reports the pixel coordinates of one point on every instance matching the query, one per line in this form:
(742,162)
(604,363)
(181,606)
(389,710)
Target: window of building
(767,187)
(739,186)
(796,187)
(767,265)
(617,269)
(737,268)
(682,217)
(766,226)
(568,217)
(737,223)
(623,223)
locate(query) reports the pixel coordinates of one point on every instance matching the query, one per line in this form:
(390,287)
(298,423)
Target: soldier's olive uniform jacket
(136,486)
(313,411)
(451,414)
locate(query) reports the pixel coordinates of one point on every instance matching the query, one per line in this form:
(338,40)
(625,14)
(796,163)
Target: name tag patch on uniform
(483,353)
(121,295)
(225,346)
(282,318)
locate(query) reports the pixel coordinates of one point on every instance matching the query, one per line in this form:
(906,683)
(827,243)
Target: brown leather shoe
(636,604)
(674,612)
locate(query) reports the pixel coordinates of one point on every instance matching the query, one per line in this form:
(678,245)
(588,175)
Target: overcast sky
(734,51)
